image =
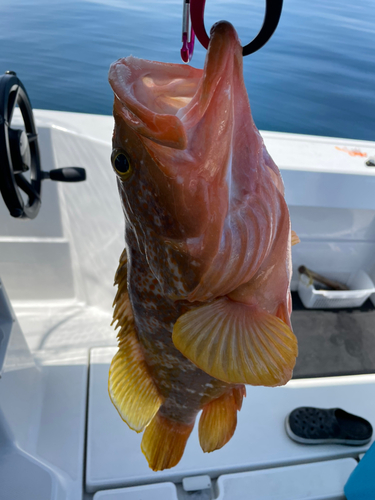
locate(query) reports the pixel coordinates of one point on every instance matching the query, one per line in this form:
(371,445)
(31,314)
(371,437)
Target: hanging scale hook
(193,14)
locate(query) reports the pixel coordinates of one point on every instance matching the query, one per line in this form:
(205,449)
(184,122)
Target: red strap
(197,21)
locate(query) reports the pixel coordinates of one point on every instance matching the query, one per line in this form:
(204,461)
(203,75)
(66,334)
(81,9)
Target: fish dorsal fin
(121,275)
(236,343)
(294,238)
(164,441)
(125,319)
(130,385)
(219,420)
(122,308)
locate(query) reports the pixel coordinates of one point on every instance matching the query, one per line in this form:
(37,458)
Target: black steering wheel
(19,153)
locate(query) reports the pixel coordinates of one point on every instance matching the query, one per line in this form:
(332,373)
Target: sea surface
(315,76)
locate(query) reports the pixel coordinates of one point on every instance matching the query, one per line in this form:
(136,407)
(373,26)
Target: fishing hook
(195,14)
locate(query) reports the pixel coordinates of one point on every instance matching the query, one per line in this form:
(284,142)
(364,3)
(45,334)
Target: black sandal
(309,425)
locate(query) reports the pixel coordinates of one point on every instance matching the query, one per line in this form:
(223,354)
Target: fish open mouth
(149,94)
(152,95)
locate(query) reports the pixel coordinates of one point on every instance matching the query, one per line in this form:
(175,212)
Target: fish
(203,299)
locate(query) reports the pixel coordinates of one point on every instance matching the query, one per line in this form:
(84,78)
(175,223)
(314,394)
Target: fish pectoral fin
(218,420)
(130,385)
(294,238)
(164,442)
(237,343)
(282,313)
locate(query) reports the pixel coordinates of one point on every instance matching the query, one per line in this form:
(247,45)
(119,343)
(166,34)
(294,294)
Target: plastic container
(360,284)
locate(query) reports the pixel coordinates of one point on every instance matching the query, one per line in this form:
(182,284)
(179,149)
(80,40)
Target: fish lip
(223,28)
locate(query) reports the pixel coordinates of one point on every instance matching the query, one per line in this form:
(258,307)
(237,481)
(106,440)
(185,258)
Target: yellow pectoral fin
(294,238)
(131,387)
(237,343)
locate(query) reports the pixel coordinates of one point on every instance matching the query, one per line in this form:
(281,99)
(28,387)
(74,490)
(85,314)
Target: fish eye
(121,163)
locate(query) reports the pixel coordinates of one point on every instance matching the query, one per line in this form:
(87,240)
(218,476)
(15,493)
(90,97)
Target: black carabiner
(271,20)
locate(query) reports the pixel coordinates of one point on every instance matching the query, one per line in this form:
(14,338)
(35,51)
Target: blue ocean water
(315,76)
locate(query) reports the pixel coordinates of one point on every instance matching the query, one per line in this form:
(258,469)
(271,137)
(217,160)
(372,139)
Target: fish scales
(179,381)
(203,301)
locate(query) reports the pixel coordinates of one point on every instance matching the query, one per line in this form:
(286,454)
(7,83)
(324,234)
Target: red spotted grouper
(203,301)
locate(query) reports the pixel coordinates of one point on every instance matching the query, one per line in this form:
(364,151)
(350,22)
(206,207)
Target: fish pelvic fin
(294,238)
(218,420)
(130,386)
(237,343)
(164,442)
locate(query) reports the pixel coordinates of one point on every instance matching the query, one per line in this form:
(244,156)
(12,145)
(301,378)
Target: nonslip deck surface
(335,341)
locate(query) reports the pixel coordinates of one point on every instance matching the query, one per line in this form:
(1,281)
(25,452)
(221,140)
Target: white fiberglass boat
(61,437)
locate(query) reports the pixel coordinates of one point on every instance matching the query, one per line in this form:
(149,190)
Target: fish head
(186,153)
(144,120)
(147,141)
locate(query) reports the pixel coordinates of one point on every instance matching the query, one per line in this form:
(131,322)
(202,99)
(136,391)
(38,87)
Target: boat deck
(334,342)
(64,432)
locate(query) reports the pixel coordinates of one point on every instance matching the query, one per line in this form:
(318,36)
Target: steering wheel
(19,153)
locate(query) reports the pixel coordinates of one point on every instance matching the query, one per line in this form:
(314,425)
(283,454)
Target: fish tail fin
(237,343)
(218,420)
(164,442)
(130,385)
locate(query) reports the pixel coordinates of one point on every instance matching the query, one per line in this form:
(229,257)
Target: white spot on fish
(157,221)
(168,365)
(178,405)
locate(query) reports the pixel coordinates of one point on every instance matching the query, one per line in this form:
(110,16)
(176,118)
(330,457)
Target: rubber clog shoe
(308,425)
